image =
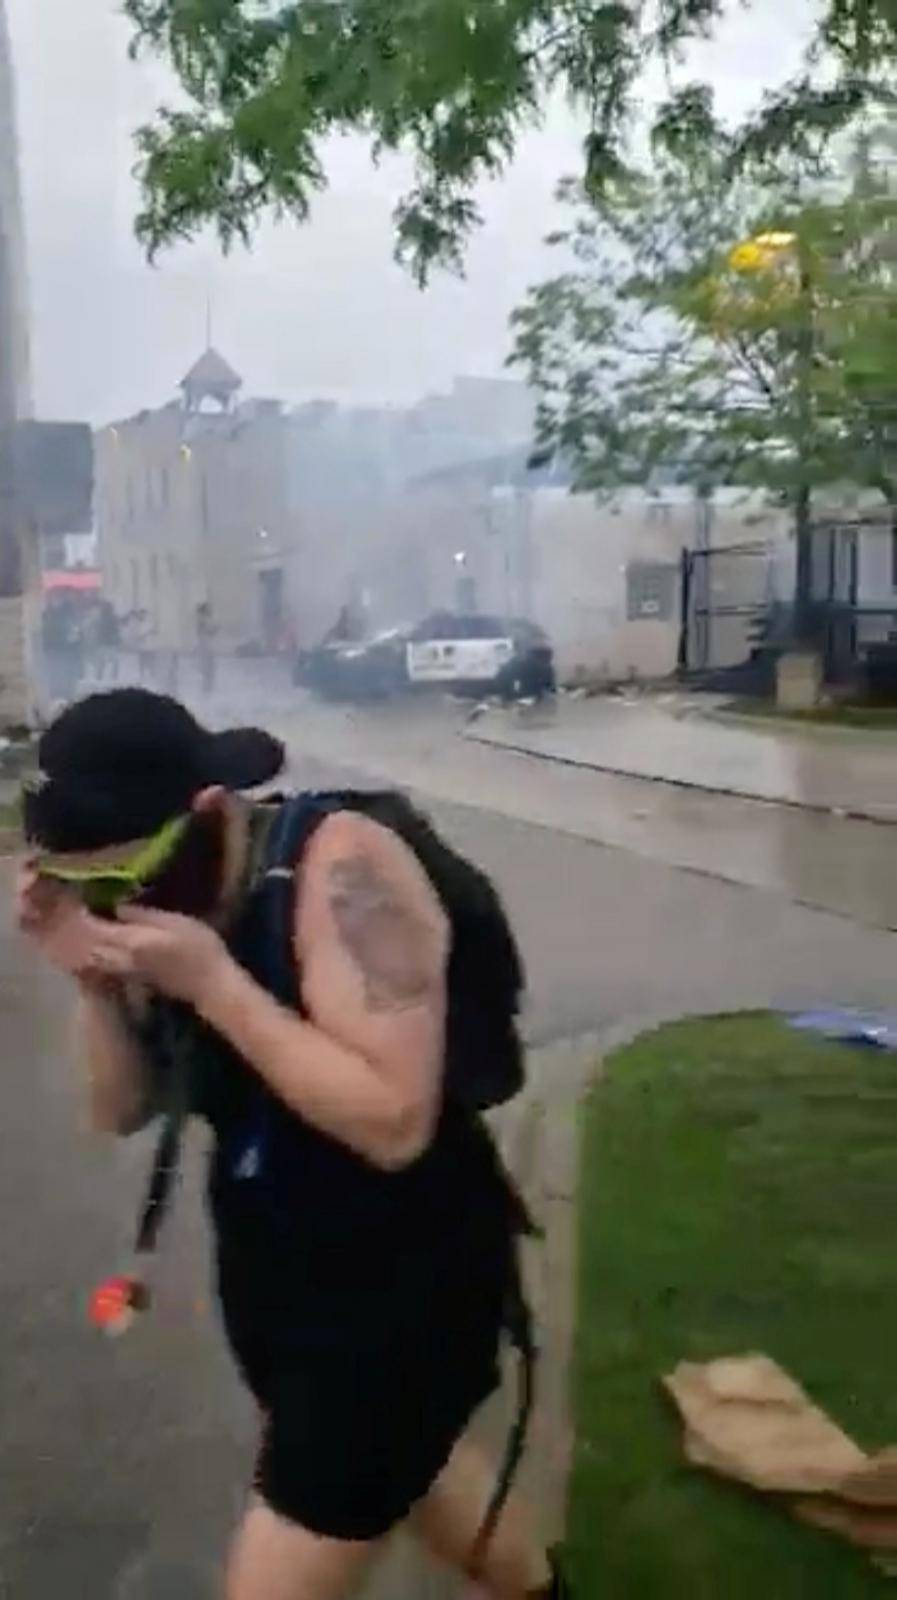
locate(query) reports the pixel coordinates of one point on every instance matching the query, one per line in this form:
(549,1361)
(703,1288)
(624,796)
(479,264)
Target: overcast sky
(316,310)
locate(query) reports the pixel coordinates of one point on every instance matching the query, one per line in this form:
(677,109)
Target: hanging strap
(268,956)
(519,1329)
(166,1160)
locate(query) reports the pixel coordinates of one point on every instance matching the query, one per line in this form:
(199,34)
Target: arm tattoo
(389,942)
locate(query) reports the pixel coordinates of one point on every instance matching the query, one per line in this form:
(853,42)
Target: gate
(738,603)
(728,600)
(835,595)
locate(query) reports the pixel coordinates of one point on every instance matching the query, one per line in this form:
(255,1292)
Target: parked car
(463,653)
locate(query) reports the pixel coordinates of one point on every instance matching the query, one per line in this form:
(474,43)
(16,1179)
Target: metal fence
(738,601)
(727,593)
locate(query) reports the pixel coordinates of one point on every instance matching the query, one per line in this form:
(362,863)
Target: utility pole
(15,401)
(803,518)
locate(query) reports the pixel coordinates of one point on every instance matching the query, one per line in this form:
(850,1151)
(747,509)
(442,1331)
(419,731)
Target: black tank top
(315,1233)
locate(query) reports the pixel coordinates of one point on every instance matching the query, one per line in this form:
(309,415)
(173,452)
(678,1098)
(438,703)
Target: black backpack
(484,1055)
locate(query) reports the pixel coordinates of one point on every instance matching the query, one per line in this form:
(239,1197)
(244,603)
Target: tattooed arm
(372,947)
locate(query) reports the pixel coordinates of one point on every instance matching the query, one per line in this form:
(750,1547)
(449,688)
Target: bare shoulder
(349,835)
(364,891)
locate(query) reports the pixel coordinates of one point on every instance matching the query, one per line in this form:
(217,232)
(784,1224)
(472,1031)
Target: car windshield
(461,625)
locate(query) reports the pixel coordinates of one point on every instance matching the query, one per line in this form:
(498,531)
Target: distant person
(62,646)
(106,642)
(136,635)
(128,633)
(146,653)
(346,629)
(286,644)
(286,639)
(536,678)
(206,631)
(172,671)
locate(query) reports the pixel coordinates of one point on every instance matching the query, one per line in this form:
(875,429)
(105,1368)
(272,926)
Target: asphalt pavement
(123,1465)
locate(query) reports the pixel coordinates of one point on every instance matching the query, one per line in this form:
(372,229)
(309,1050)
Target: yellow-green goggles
(105,885)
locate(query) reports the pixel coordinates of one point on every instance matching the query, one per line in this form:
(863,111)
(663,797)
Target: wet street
(827,860)
(122,1465)
(691,742)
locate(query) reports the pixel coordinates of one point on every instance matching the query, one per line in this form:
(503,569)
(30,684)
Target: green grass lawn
(882,719)
(738,1192)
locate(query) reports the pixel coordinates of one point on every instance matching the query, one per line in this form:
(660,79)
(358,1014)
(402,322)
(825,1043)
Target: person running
(206,631)
(106,640)
(365,1235)
(63,647)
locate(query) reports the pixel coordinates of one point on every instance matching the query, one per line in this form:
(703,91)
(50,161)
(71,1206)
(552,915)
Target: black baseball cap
(117,766)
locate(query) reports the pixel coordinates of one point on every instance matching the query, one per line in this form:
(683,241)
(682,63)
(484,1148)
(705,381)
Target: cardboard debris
(876,1482)
(746,1419)
(871,1530)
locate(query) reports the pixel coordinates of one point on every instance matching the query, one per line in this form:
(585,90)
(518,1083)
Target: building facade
(192,511)
(278,519)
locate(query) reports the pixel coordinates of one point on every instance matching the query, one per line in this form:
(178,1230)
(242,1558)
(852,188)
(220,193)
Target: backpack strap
(265,946)
(176,1097)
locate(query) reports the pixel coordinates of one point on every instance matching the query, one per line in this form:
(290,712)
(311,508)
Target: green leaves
(665,352)
(454,83)
(450,81)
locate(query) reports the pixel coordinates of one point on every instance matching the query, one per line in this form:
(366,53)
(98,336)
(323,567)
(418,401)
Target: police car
(469,654)
(473,654)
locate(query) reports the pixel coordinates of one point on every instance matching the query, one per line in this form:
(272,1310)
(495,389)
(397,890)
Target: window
(660,511)
(650,591)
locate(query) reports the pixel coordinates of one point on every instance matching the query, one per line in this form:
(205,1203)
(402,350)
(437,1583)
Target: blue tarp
(875,1030)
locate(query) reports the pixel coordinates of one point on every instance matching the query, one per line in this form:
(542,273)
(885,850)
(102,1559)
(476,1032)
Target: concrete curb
(832,731)
(850,813)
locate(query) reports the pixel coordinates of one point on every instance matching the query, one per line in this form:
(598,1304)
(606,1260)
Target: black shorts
(367,1374)
(352,1441)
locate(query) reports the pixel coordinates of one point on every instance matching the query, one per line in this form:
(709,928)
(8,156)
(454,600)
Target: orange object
(83,580)
(116,1302)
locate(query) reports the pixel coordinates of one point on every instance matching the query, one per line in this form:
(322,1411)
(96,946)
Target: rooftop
(211,375)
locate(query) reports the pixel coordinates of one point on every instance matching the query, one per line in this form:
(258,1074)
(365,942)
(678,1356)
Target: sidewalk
(537,1135)
(849,774)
